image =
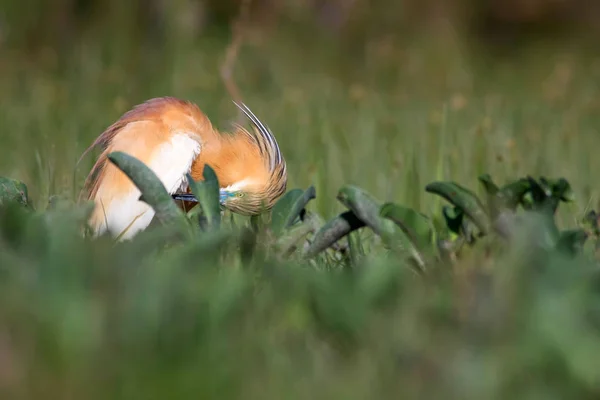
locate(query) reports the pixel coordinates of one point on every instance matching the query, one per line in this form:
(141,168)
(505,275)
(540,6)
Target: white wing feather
(126,215)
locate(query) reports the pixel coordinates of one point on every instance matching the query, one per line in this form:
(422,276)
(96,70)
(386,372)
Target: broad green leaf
(546,194)
(539,191)
(282,208)
(12,190)
(512,193)
(367,209)
(289,208)
(415,224)
(488,184)
(14,221)
(334,230)
(454,218)
(458,225)
(561,188)
(152,189)
(464,199)
(299,205)
(207,193)
(542,197)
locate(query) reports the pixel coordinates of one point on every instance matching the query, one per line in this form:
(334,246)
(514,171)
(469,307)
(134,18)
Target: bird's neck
(233,157)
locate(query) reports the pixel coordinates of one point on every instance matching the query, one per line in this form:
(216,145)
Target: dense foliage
(287,305)
(393,267)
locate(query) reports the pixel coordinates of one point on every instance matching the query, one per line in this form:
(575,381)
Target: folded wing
(168,154)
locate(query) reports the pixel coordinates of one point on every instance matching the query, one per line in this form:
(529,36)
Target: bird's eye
(240,194)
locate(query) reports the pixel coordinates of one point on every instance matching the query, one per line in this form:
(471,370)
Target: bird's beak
(222,196)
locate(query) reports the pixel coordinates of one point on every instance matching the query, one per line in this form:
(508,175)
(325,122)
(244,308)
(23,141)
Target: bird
(174,137)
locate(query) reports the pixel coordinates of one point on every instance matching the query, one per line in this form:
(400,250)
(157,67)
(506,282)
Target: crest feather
(263,138)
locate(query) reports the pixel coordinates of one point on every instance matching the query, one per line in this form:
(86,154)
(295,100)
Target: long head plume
(264,139)
(264,198)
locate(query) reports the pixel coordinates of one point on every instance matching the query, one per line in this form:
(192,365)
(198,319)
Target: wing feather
(164,133)
(169,156)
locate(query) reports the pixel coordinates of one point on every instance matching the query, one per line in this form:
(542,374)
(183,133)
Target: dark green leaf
(13,191)
(512,193)
(454,217)
(561,189)
(367,209)
(332,231)
(458,224)
(287,210)
(464,199)
(152,189)
(14,219)
(207,193)
(415,224)
(544,197)
(488,184)
(282,207)
(299,205)
(539,191)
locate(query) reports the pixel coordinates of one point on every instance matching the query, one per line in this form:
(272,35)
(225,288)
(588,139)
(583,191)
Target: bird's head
(244,199)
(261,177)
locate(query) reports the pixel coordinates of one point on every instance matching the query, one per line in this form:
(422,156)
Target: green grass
(94,319)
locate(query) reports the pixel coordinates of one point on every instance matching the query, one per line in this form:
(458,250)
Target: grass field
(89,319)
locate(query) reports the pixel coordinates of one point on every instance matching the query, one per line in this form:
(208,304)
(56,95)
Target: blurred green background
(388,95)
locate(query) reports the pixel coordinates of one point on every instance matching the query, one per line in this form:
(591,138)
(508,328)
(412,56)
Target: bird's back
(167,134)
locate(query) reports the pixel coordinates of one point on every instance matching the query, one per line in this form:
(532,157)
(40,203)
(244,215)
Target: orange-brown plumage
(174,137)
